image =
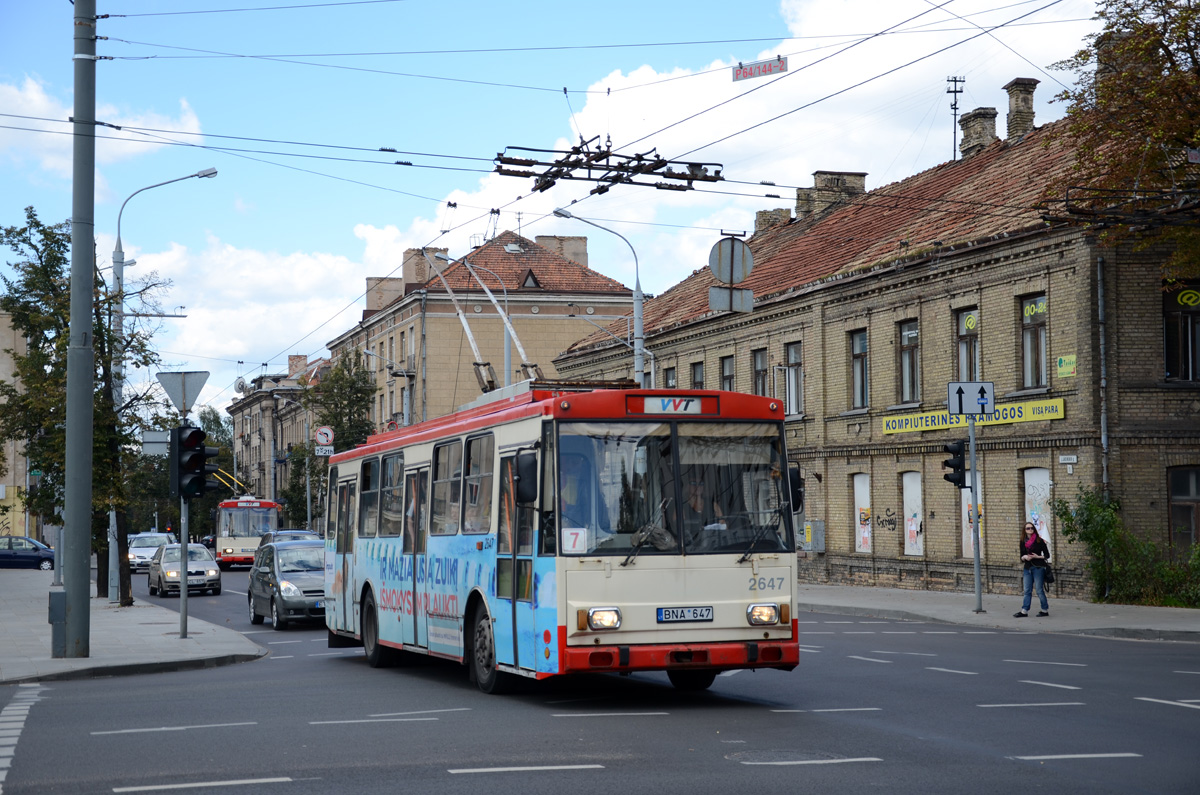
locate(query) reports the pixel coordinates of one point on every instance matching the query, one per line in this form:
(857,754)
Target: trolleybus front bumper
(782,654)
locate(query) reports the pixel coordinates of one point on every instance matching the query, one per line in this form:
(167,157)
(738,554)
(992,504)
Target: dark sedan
(21,552)
(287,583)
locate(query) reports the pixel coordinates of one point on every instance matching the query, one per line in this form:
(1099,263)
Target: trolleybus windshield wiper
(758,534)
(643,535)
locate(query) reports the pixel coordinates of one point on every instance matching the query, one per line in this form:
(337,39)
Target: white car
(142,547)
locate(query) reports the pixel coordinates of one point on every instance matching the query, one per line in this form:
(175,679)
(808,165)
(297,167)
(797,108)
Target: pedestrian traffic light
(957,463)
(189,463)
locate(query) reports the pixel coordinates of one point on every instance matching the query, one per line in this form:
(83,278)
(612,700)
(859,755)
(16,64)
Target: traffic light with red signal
(190,465)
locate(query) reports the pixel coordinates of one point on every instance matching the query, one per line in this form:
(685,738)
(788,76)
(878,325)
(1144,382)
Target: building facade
(868,304)
(14,520)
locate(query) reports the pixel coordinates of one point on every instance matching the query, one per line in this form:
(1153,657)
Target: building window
(858,369)
(698,375)
(727,373)
(862,512)
(1185,510)
(1181,331)
(1034,314)
(794,386)
(669,377)
(910,362)
(758,364)
(968,345)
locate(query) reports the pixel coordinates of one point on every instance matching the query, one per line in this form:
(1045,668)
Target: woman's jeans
(1032,575)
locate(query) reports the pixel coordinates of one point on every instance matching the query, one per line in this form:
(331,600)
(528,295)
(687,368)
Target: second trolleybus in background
(240,524)
(565,530)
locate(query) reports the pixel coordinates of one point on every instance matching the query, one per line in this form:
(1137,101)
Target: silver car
(142,547)
(287,583)
(203,573)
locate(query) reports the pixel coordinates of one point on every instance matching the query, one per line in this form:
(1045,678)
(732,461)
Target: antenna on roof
(955,90)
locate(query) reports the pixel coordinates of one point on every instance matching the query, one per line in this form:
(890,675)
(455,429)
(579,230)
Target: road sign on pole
(971,397)
(183,388)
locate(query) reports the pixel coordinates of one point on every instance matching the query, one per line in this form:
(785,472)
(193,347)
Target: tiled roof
(526,268)
(993,193)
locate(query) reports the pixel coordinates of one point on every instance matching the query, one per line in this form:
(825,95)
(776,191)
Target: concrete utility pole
(77,542)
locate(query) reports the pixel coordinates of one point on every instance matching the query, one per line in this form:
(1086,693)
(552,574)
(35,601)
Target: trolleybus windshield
(671,488)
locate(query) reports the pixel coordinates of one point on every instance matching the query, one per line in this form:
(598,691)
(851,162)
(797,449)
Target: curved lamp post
(118,366)
(639,347)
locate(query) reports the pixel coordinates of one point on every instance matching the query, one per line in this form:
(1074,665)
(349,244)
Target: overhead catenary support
(484,372)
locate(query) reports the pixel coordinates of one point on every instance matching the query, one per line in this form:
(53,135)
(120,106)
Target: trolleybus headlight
(604,618)
(288,589)
(227,551)
(762,614)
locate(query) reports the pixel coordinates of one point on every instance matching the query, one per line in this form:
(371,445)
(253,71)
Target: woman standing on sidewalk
(1034,555)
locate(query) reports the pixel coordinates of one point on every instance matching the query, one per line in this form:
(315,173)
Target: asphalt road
(875,705)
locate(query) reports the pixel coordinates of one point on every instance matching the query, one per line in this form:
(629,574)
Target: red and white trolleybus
(241,523)
(555,529)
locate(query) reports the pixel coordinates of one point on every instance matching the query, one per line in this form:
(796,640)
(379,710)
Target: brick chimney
(572,247)
(978,131)
(1020,106)
(829,188)
(296,364)
(382,290)
(765,219)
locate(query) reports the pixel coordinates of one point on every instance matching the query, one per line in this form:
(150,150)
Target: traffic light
(957,463)
(190,466)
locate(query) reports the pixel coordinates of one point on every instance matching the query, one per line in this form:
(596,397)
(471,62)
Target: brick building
(868,303)
(414,341)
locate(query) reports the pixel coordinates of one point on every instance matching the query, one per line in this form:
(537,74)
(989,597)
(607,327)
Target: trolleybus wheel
(483,657)
(277,621)
(378,655)
(692,680)
(255,618)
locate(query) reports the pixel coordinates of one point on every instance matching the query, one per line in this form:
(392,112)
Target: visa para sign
(773,66)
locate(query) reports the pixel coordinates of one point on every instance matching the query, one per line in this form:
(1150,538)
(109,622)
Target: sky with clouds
(292,103)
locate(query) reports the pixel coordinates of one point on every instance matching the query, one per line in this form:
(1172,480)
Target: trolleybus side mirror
(796,486)
(526,478)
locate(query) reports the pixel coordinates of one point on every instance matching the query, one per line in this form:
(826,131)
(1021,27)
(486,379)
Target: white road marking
(1172,703)
(1076,756)
(839,622)
(820,761)
(859,632)
(979,632)
(282,642)
(811,651)
(1185,672)
(419,712)
(731,673)
(197,784)
(239,593)
(912,653)
(1048,684)
(808,622)
(735,742)
(282,656)
(868,659)
(607,714)
(176,728)
(952,671)
(818,632)
(366,720)
(330,653)
(524,769)
(810,646)
(1045,662)
(839,709)
(939,632)
(874,622)
(899,632)
(256,631)
(1038,704)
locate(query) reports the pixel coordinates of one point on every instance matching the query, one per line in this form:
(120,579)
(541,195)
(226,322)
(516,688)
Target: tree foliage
(342,399)
(1133,114)
(298,489)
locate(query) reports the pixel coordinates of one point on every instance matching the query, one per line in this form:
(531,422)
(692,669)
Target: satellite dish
(239,385)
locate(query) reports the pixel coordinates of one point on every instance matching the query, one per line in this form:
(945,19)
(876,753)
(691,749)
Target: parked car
(142,547)
(288,534)
(287,583)
(203,573)
(22,552)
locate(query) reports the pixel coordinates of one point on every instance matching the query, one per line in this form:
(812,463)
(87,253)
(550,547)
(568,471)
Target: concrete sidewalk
(122,640)
(145,638)
(1066,615)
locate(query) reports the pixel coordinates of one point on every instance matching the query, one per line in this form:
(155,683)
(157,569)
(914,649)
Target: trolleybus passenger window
(548,525)
(414,512)
(331,505)
(391,512)
(447,488)
(368,500)
(515,524)
(345,525)
(477,494)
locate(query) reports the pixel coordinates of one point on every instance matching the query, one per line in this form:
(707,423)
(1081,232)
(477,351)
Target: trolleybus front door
(343,581)
(514,569)
(416,529)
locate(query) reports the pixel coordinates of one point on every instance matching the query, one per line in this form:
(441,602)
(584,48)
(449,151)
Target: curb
(128,669)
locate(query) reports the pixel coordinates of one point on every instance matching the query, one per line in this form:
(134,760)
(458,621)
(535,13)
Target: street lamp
(647,351)
(118,366)
(638,339)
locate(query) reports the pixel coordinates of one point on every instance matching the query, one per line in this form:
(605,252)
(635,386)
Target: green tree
(33,404)
(342,399)
(297,490)
(1133,113)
